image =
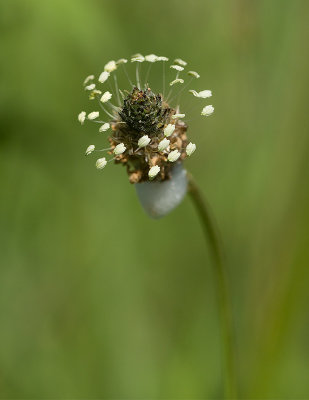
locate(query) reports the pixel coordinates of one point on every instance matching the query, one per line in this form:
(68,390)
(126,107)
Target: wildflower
(173,156)
(144,141)
(104,127)
(90,149)
(208,110)
(153,172)
(163,145)
(104,76)
(190,149)
(101,163)
(169,129)
(106,97)
(81,117)
(119,149)
(147,133)
(93,115)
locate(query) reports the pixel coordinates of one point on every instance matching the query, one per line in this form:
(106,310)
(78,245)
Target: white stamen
(104,76)
(90,149)
(101,162)
(144,141)
(104,127)
(88,79)
(110,66)
(138,59)
(163,144)
(121,61)
(175,116)
(151,58)
(168,131)
(81,117)
(106,97)
(203,94)
(162,58)
(119,149)
(177,67)
(190,149)
(180,62)
(208,110)
(176,81)
(153,172)
(194,74)
(93,115)
(90,87)
(173,156)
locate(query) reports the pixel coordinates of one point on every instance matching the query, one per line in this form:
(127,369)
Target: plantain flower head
(145,128)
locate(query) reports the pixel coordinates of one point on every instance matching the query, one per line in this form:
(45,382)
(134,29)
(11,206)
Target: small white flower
(151,58)
(90,149)
(104,76)
(121,61)
(110,66)
(81,117)
(176,116)
(93,115)
(169,129)
(176,81)
(138,58)
(173,156)
(162,58)
(144,141)
(194,74)
(163,144)
(208,110)
(190,149)
(101,162)
(180,62)
(106,97)
(153,172)
(177,67)
(90,87)
(104,127)
(119,149)
(88,79)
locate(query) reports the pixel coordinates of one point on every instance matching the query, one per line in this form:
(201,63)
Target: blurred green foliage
(97,300)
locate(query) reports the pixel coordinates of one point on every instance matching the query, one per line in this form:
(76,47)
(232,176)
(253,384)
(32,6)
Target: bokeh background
(96,299)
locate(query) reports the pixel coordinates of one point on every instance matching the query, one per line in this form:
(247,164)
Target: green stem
(212,238)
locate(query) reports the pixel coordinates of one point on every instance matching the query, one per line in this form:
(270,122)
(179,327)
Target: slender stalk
(213,240)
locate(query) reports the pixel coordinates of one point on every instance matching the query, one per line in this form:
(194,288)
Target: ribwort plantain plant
(148,135)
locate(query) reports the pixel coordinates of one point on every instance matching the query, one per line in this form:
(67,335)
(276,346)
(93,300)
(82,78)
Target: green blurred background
(96,299)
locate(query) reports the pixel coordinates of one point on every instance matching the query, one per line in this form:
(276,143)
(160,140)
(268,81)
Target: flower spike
(145,130)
